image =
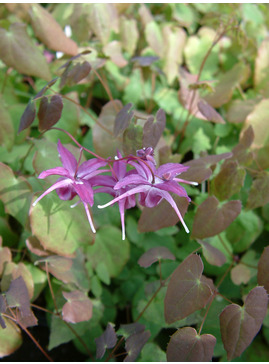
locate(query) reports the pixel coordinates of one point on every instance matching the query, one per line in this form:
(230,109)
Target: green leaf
(201,142)
(132,139)
(114,52)
(18,51)
(129,34)
(15,193)
(110,249)
(261,75)
(59,228)
(154,255)
(186,345)
(7,134)
(10,338)
(103,19)
(263,269)
(187,291)
(244,231)
(154,37)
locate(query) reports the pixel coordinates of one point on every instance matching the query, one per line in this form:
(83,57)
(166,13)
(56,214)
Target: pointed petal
(169,199)
(173,187)
(89,217)
(86,168)
(152,198)
(172,168)
(85,191)
(108,190)
(187,182)
(143,170)
(68,160)
(126,194)
(120,167)
(60,171)
(103,180)
(133,179)
(121,208)
(64,183)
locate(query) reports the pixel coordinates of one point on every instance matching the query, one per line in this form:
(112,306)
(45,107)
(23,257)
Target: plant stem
(50,287)
(205,316)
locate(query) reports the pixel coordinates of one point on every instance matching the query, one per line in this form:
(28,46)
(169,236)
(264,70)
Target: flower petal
(60,171)
(132,191)
(103,180)
(89,217)
(85,191)
(133,179)
(171,168)
(63,183)
(89,166)
(121,208)
(173,187)
(67,158)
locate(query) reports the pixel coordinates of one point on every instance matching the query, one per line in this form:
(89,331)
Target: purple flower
(108,183)
(74,180)
(153,185)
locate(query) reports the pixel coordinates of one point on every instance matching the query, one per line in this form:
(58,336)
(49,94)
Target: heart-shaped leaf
(134,345)
(209,112)
(10,338)
(106,341)
(186,345)
(152,131)
(239,325)
(211,218)
(78,307)
(154,255)
(28,116)
(259,191)
(49,31)
(213,255)
(263,269)
(187,291)
(49,113)
(240,274)
(19,52)
(123,119)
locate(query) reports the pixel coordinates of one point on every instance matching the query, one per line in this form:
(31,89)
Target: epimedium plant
(135,107)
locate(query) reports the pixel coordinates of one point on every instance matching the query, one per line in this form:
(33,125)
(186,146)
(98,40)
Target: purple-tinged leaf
(73,75)
(241,151)
(114,51)
(259,191)
(134,345)
(163,215)
(130,329)
(17,296)
(129,34)
(49,113)
(13,271)
(226,84)
(154,255)
(240,274)
(145,61)
(187,291)
(200,169)
(123,119)
(106,341)
(213,255)
(78,307)
(33,244)
(19,51)
(3,308)
(28,116)
(186,345)
(209,112)
(50,32)
(212,218)
(132,139)
(229,180)
(104,143)
(152,131)
(261,68)
(263,269)
(239,325)
(10,338)
(238,110)
(154,37)
(45,88)
(5,257)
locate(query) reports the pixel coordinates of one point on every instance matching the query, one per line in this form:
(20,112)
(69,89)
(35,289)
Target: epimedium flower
(75,179)
(153,184)
(118,173)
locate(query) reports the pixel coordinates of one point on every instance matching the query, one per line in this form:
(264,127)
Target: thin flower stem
(225,246)
(107,89)
(43,309)
(149,302)
(115,348)
(29,334)
(225,298)
(205,316)
(225,274)
(248,265)
(50,287)
(160,269)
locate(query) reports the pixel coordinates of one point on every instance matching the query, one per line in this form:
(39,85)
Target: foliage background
(146,54)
